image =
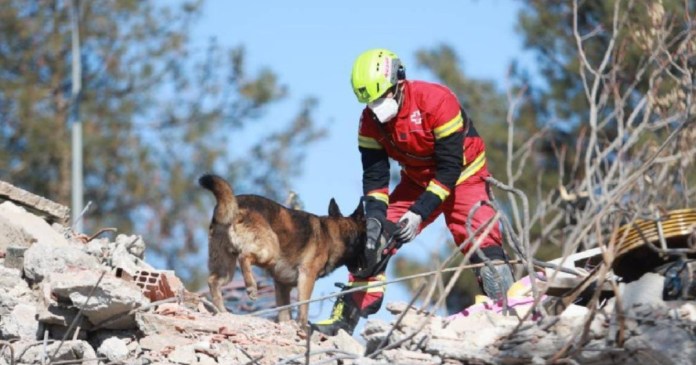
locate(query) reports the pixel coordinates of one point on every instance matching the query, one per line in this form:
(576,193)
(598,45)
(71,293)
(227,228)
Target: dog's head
(335,212)
(353,232)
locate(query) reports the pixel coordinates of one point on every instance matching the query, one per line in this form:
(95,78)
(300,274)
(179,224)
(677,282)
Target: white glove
(408,227)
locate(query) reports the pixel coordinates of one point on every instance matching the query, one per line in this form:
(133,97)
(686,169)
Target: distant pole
(76,125)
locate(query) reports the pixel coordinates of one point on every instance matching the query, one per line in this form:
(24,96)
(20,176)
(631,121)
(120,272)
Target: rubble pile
(67,298)
(652,331)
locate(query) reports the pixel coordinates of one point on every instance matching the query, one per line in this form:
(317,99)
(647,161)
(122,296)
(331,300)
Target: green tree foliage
(643,26)
(157,110)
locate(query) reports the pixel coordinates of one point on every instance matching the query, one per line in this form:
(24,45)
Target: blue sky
(311,46)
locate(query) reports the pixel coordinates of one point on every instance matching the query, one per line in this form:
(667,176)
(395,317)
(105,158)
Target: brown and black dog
(293,246)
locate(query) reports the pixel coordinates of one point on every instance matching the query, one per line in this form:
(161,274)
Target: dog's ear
(334,210)
(359,212)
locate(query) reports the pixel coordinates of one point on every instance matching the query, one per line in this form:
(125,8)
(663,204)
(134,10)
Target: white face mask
(384,108)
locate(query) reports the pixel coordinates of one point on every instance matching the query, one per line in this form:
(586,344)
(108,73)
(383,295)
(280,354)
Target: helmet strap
(399,93)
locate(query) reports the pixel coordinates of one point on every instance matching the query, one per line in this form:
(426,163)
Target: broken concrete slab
(12,279)
(452,349)
(40,206)
(183,355)
(160,341)
(43,258)
(20,323)
(151,324)
(401,356)
(61,315)
(663,344)
(13,235)
(345,343)
(127,253)
(133,244)
(111,301)
(114,349)
(13,290)
(36,228)
(35,353)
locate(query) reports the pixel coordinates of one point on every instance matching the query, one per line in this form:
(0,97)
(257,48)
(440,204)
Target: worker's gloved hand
(372,253)
(408,227)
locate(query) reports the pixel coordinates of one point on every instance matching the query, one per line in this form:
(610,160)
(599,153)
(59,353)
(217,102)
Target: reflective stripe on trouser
(369,300)
(455,208)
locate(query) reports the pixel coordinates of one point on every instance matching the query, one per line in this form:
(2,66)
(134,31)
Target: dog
(295,247)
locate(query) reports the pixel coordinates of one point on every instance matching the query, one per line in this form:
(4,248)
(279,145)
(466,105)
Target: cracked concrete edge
(47,209)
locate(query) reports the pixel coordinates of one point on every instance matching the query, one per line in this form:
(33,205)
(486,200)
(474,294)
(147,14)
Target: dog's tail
(226,208)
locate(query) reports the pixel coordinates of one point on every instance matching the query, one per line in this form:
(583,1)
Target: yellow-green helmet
(374,72)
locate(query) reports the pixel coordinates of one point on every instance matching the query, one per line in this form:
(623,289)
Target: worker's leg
(351,306)
(496,280)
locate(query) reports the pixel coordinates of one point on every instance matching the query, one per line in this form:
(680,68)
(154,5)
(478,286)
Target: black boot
(496,280)
(345,315)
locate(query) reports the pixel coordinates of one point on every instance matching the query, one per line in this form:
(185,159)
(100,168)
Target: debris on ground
(68,298)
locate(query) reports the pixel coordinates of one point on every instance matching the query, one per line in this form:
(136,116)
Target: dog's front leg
(305,286)
(245,262)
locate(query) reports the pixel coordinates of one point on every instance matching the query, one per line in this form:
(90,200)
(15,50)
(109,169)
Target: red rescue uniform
(443,167)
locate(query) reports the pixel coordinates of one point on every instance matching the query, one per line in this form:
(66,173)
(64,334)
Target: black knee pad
(491,252)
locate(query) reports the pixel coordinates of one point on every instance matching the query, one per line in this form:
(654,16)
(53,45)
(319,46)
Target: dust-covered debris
(68,298)
(38,205)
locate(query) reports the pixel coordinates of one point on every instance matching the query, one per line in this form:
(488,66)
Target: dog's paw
(252,293)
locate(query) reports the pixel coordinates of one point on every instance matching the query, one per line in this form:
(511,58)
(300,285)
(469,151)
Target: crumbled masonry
(111,306)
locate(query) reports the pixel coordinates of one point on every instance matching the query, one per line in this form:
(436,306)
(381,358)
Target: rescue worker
(443,165)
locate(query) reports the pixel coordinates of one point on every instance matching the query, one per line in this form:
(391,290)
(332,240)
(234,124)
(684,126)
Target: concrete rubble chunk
(152,324)
(687,312)
(204,359)
(13,235)
(114,349)
(127,253)
(402,356)
(133,244)
(20,324)
(346,343)
(453,349)
(664,345)
(42,259)
(40,206)
(183,355)
(61,315)
(13,290)
(158,342)
(646,290)
(34,352)
(111,301)
(36,228)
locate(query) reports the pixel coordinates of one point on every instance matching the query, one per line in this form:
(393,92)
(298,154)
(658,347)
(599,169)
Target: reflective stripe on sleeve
(437,189)
(379,195)
(449,127)
(368,142)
